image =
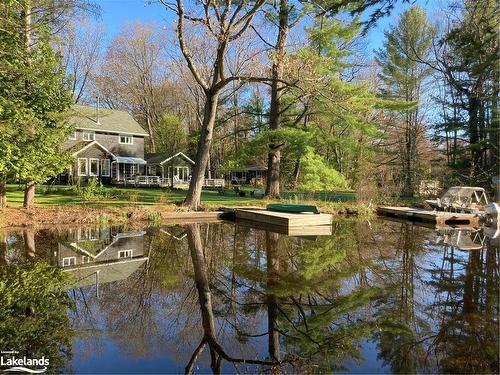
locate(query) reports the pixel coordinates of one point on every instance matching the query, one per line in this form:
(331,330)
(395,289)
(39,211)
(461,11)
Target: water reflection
(370,297)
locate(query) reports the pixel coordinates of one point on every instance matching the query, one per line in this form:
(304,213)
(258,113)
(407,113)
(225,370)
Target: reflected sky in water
(372,297)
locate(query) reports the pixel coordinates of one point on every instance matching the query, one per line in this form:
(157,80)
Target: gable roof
(79,147)
(100,246)
(159,158)
(108,272)
(110,120)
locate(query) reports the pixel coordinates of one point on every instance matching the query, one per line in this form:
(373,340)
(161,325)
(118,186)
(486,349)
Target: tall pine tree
(404,76)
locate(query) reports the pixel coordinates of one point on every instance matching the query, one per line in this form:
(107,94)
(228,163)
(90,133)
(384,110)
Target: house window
(93,234)
(130,169)
(151,170)
(94,167)
(72,136)
(82,167)
(86,259)
(105,167)
(126,139)
(69,261)
(88,136)
(125,254)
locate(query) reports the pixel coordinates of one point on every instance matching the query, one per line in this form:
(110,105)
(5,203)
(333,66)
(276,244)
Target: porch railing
(165,182)
(147,180)
(214,182)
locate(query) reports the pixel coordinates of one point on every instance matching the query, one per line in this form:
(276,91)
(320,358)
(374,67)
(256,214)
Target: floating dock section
(438,218)
(313,230)
(290,222)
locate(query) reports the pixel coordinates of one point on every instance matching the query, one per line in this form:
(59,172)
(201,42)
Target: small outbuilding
(178,166)
(249,175)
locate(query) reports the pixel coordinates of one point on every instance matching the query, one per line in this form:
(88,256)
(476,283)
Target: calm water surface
(371,297)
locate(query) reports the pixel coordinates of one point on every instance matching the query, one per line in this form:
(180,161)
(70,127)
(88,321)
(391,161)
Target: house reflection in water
(94,256)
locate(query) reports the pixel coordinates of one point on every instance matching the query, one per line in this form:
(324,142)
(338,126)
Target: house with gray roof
(106,144)
(109,145)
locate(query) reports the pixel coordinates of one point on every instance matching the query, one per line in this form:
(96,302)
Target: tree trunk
(193,196)
(274,155)
(494,134)
(3,248)
(296,173)
(201,280)
(150,131)
(473,107)
(3,194)
(29,242)
(272,240)
(29,195)
(209,165)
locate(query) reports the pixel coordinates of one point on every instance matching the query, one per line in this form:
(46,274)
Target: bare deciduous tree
(224,23)
(80,44)
(133,73)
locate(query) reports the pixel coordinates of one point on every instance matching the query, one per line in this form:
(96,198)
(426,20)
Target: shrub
(154,218)
(93,191)
(102,220)
(317,175)
(33,312)
(133,197)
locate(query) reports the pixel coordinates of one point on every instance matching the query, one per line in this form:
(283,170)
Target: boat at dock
(463,199)
(460,205)
(293,208)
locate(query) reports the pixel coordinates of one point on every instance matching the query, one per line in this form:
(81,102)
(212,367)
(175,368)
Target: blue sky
(115,13)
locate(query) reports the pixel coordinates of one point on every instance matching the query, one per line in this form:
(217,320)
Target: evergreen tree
(468,61)
(33,98)
(404,78)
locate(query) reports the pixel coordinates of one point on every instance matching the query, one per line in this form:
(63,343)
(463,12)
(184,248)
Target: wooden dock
(425,224)
(438,218)
(282,219)
(313,230)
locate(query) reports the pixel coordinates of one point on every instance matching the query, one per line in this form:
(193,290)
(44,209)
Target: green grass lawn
(60,195)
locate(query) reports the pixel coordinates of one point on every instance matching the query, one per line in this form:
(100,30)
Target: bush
(154,218)
(317,175)
(93,191)
(33,312)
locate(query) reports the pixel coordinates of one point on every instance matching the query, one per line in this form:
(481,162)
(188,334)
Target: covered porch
(156,170)
(126,169)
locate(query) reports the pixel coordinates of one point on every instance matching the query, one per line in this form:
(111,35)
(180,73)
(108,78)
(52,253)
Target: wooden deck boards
(439,218)
(313,230)
(283,219)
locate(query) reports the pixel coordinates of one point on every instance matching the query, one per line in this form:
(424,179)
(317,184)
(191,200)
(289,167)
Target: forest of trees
(288,85)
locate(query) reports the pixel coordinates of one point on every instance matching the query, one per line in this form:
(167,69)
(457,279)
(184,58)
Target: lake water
(371,297)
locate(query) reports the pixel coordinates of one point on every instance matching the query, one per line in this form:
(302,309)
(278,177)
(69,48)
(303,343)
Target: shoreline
(78,215)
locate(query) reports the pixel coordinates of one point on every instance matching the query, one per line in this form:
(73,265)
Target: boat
(461,199)
(293,208)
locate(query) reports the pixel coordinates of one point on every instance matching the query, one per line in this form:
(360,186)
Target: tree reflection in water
(219,297)
(217,353)
(305,315)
